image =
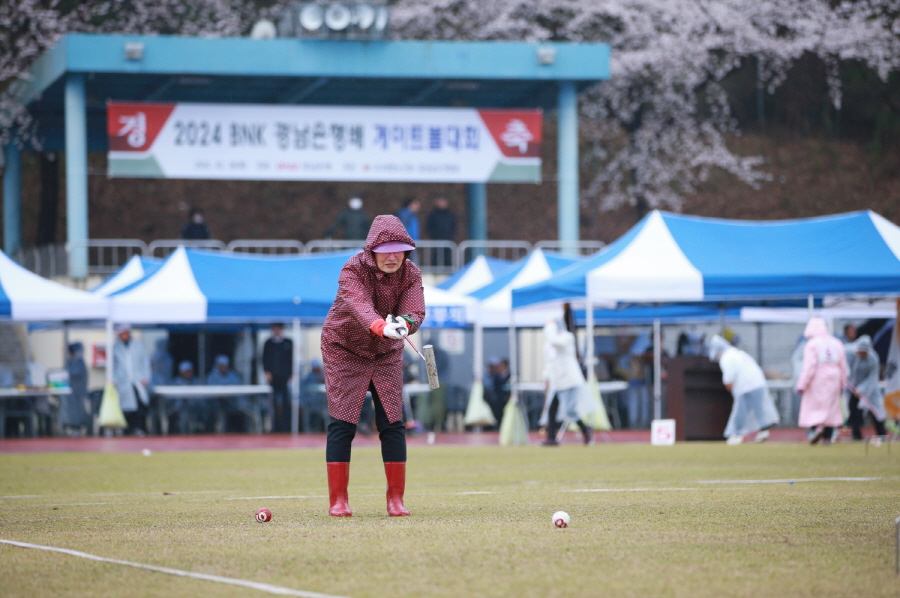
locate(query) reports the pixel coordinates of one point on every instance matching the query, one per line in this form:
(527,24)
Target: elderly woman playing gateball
(380,300)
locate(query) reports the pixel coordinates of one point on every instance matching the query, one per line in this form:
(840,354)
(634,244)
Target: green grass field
(646,521)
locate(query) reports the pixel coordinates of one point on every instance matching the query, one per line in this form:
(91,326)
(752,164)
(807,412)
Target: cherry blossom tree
(658,126)
(28,28)
(653,131)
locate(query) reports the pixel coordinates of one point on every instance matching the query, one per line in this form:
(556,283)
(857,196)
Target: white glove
(396,328)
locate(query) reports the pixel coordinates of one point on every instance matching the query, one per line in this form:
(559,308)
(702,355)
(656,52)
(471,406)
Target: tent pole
(810,305)
(657,369)
(201,354)
(759,343)
(109,350)
(295,378)
(65,341)
(589,358)
(513,360)
(478,351)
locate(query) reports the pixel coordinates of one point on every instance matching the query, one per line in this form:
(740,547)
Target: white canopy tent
(673,258)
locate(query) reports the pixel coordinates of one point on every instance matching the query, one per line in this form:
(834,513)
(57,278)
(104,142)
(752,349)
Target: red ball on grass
(263,514)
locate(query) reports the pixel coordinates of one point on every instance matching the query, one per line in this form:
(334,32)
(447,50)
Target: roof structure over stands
(73,81)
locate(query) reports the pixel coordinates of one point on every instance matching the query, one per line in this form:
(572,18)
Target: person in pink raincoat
(380,300)
(823,377)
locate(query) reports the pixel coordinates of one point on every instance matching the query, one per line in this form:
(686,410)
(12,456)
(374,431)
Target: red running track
(206,442)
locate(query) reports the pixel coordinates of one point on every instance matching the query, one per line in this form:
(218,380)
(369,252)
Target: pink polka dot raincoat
(352,354)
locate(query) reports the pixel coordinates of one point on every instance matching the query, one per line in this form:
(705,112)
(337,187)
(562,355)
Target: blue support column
(476,210)
(567,183)
(12,199)
(76,173)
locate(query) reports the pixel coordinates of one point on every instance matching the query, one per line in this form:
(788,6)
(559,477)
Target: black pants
(137,419)
(855,419)
(552,424)
(392,436)
(281,404)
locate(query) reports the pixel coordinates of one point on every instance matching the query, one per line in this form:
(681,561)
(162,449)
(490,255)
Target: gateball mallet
(428,358)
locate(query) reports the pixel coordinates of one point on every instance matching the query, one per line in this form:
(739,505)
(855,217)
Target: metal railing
(571,247)
(322,245)
(48,261)
(163,247)
(106,256)
(270,247)
(506,250)
(436,257)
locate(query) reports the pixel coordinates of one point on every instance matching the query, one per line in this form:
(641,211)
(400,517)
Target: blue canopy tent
(27,297)
(494,310)
(675,258)
(208,287)
(201,287)
(196,286)
(476,274)
(671,258)
(495,298)
(136,268)
(446,309)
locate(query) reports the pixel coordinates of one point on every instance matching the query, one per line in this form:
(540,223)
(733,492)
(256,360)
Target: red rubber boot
(396,477)
(338,478)
(396,485)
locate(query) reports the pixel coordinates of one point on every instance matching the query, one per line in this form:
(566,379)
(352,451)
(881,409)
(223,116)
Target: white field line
(628,489)
(273,497)
(473,492)
(154,493)
(253,585)
(788,481)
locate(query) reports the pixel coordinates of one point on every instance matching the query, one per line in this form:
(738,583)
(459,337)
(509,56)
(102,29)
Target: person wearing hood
(821,382)
(380,300)
(563,383)
(131,375)
(753,409)
(863,367)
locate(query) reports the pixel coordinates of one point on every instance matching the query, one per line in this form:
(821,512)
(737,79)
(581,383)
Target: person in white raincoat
(564,384)
(131,375)
(863,368)
(753,409)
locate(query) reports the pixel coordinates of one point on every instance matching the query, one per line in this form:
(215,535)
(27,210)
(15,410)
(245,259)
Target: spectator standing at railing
(409,216)
(353,221)
(196,227)
(441,226)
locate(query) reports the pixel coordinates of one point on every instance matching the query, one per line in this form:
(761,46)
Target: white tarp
(27,297)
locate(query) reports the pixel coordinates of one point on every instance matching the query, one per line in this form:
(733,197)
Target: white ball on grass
(561,519)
